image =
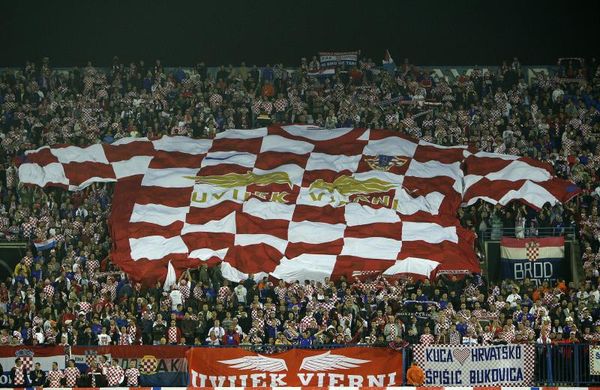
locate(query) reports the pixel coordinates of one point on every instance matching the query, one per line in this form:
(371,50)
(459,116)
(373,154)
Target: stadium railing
(492,234)
(555,364)
(564,364)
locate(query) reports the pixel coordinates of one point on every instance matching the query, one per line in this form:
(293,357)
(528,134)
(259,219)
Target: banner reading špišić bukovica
(450,365)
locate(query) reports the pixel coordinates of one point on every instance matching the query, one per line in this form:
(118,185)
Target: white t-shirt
(176,299)
(104,339)
(241,293)
(557,94)
(219,331)
(512,299)
(40,337)
(216,341)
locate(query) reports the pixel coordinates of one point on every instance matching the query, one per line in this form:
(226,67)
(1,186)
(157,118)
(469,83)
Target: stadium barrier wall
(310,388)
(530,72)
(555,365)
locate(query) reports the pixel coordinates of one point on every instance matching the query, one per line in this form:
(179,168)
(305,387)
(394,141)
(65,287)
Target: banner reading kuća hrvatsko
(355,367)
(477,365)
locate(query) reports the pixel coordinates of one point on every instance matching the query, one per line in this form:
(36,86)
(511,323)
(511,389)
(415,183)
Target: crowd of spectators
(72,294)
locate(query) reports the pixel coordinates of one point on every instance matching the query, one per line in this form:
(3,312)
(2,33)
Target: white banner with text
(477,365)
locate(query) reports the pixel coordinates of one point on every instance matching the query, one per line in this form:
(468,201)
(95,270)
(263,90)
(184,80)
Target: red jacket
(231,338)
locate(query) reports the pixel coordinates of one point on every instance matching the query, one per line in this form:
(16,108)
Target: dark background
(450,32)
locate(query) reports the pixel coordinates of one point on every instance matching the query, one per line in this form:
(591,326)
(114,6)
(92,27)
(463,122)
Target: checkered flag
(533,250)
(26,357)
(271,193)
(91,355)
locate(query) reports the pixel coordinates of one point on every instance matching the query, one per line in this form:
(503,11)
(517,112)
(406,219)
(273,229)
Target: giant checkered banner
(293,202)
(484,365)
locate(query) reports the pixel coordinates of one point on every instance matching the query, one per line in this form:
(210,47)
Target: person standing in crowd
(38,376)
(114,374)
(54,376)
(103,363)
(18,374)
(240,294)
(71,374)
(173,333)
(159,329)
(212,339)
(218,331)
(132,375)
(103,338)
(95,376)
(231,337)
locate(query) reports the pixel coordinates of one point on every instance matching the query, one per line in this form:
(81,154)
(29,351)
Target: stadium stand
(69,293)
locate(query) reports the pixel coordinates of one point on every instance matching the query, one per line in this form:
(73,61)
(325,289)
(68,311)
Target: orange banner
(354,367)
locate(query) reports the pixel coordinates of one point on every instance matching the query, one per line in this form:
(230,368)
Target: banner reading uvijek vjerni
(352,367)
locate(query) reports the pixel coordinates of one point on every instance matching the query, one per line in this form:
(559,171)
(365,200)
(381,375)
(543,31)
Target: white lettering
(533,270)
(320,379)
(305,378)
(392,379)
(217,381)
(258,380)
(195,376)
(334,379)
(548,270)
(232,380)
(277,380)
(518,271)
(376,380)
(355,381)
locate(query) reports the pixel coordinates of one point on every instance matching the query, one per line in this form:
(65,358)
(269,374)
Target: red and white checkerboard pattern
(54,378)
(500,179)
(19,378)
(533,250)
(299,229)
(27,362)
(132,376)
(71,374)
(91,356)
(148,364)
(114,375)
